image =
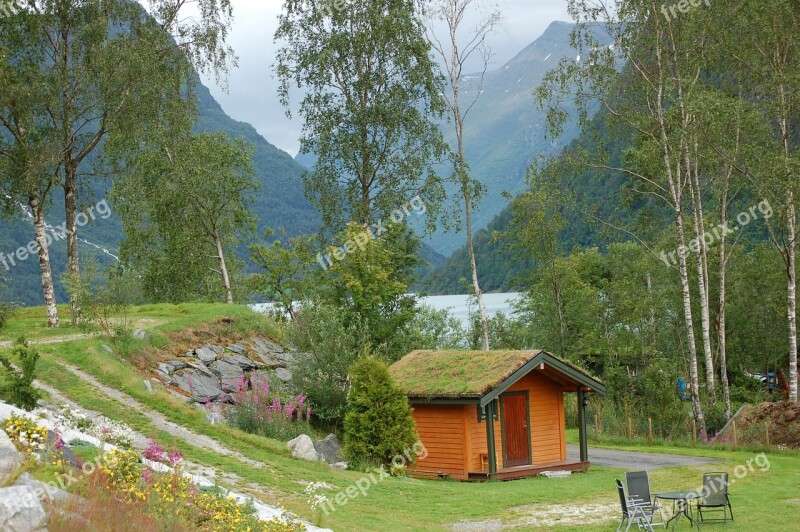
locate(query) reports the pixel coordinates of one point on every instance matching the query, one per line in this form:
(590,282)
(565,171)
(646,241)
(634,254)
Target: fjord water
(458,306)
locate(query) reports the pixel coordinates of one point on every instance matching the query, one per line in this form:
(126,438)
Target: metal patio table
(683,501)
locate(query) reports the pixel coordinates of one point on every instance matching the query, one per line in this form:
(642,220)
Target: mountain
(278,203)
(505,131)
(501,270)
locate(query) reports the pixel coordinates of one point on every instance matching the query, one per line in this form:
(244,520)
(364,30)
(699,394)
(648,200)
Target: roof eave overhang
(445,400)
(544,357)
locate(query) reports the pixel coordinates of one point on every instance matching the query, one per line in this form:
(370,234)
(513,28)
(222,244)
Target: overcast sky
(252,96)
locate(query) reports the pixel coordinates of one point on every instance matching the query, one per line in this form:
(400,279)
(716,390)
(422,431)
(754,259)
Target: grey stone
(283,374)
(339,465)
(229,374)
(148,385)
(236,348)
(199,366)
(241,361)
(302,447)
(270,347)
(286,357)
(172,366)
(218,349)
(329,449)
(200,386)
(270,362)
(21,510)
(205,354)
(107,348)
(139,334)
(43,491)
(10,458)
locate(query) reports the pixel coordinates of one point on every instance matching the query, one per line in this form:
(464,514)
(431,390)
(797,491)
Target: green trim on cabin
(546,358)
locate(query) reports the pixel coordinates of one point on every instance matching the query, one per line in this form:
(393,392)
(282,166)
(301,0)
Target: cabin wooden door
(516,429)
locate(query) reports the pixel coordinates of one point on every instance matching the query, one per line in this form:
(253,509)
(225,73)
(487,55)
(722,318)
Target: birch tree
(457,50)
(369,112)
(111,67)
(648,97)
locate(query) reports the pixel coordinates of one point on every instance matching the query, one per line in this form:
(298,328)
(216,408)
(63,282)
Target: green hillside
(278,203)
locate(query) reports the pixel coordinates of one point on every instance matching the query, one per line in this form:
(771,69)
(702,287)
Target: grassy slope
(760,499)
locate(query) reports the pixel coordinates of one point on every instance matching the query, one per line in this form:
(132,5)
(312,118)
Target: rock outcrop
(212,372)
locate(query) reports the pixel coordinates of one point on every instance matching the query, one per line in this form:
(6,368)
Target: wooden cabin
(453,393)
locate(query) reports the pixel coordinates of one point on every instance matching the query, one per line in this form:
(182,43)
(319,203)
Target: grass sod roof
(454,374)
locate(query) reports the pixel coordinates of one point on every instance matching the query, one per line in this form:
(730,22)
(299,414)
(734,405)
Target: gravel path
(200,441)
(54,340)
(637,461)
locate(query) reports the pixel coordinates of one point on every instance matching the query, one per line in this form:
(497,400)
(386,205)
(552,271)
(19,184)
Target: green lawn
(761,500)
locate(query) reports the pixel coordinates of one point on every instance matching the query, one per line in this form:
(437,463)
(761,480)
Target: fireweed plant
(258,409)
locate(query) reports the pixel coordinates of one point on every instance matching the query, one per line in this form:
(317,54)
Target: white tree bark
(40,231)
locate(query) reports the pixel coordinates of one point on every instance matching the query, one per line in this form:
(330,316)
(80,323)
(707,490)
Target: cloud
(252,94)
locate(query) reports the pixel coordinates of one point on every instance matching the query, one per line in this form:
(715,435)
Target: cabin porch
(525,471)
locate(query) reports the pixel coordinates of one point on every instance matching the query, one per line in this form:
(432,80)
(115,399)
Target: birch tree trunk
(223,268)
(791,271)
(70,210)
(702,275)
(721,312)
(40,231)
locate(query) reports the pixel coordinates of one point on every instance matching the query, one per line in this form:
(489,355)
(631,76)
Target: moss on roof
(456,374)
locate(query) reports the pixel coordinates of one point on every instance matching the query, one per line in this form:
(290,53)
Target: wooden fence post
(733,427)
(596,429)
(630,429)
(650,430)
(694,432)
(766,432)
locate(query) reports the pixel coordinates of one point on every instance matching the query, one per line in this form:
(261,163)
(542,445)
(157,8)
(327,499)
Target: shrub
(378,425)
(332,348)
(16,384)
(260,411)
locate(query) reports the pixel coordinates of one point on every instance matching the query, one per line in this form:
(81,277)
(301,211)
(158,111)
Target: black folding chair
(715,499)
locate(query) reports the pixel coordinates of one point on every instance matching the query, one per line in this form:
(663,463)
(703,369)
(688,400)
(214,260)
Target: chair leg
(731,509)
(622,522)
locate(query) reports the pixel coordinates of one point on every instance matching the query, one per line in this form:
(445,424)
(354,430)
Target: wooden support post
(490,438)
(733,427)
(650,430)
(630,429)
(766,432)
(694,432)
(584,446)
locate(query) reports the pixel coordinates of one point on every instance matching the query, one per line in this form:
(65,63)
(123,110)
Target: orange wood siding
(455,439)
(442,430)
(547,417)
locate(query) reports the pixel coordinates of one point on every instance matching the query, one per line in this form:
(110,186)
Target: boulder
(302,447)
(205,354)
(10,459)
(21,510)
(236,348)
(270,361)
(45,492)
(199,366)
(139,334)
(283,374)
(229,374)
(339,465)
(218,349)
(241,361)
(148,385)
(200,386)
(286,357)
(107,348)
(260,344)
(329,449)
(172,366)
